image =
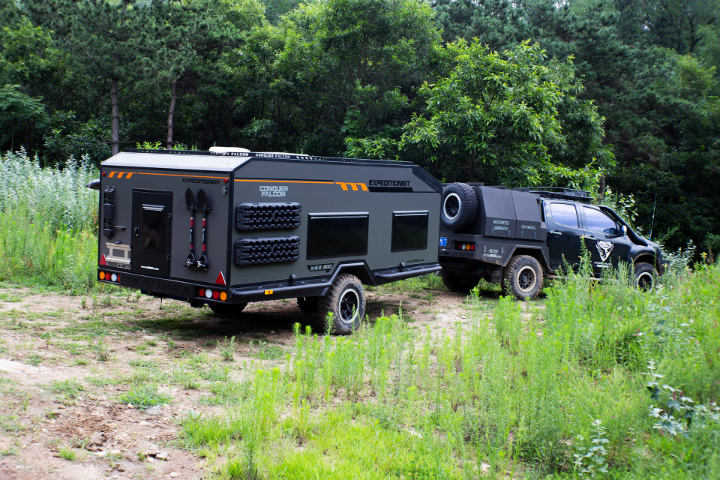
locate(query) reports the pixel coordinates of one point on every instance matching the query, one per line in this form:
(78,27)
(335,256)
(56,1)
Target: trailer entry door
(151,233)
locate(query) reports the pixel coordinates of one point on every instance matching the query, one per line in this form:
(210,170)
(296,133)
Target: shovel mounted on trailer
(190,202)
(202,205)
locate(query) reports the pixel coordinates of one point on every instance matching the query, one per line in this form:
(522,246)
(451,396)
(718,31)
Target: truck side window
(410,231)
(598,221)
(564,214)
(337,235)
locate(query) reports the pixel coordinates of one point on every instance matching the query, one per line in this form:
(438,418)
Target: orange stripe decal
(279,181)
(354,187)
(343,185)
(129,174)
(120,175)
(111,174)
(172,175)
(364,188)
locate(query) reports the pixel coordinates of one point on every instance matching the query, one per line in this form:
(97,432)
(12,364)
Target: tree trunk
(171,114)
(115,117)
(601,188)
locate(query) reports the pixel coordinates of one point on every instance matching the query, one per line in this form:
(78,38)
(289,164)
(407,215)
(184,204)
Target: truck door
(564,235)
(151,232)
(605,242)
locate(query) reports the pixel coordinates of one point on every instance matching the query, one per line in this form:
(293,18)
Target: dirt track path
(59,400)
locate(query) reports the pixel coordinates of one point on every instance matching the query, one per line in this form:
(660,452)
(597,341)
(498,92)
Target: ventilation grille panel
(255,251)
(261,216)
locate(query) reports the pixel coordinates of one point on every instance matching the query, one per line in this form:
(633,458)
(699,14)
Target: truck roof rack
(290,156)
(560,192)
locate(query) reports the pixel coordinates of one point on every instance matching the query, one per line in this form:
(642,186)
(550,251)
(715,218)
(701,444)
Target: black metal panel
(151,232)
(529,224)
(497,211)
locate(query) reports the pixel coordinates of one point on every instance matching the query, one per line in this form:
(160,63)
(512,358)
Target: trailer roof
(214,161)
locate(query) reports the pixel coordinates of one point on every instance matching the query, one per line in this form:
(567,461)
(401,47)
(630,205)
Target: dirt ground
(61,415)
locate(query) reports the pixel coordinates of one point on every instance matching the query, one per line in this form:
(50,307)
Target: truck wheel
(645,276)
(227,310)
(308,305)
(522,277)
(346,301)
(459,206)
(456,283)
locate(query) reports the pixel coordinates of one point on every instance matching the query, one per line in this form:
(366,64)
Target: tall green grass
(47,223)
(521,392)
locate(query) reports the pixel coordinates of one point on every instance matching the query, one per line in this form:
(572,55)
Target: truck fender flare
(359,269)
(533,251)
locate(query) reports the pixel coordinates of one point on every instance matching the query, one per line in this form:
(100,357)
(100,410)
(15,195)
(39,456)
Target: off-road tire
(459,207)
(345,299)
(645,276)
(522,277)
(456,283)
(308,305)
(227,310)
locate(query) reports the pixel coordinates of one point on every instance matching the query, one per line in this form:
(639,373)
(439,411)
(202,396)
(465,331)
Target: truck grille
(254,251)
(261,216)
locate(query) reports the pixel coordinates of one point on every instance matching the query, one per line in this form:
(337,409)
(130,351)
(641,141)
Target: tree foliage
(587,93)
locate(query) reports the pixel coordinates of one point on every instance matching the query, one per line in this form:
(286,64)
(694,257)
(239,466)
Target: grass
(67,453)
(145,396)
(517,391)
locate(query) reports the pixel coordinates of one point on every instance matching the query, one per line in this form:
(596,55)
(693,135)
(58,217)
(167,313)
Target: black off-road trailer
(521,236)
(224,229)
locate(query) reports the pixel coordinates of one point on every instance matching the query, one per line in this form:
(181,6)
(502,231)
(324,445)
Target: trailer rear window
(152,228)
(337,235)
(410,231)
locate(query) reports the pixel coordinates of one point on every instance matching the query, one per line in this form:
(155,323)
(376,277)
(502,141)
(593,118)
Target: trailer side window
(410,231)
(337,235)
(152,228)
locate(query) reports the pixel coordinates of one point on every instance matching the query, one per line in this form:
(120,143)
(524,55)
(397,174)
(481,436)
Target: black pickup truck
(518,237)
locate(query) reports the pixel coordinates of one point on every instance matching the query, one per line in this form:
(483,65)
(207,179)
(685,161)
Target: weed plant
(47,223)
(514,393)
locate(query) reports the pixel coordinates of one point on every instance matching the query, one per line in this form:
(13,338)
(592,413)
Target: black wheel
(645,276)
(459,207)
(308,305)
(227,310)
(346,301)
(522,277)
(457,283)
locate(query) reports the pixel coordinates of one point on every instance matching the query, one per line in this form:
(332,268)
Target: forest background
(619,97)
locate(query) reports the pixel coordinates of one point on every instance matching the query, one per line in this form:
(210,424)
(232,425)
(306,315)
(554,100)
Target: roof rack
(560,192)
(284,156)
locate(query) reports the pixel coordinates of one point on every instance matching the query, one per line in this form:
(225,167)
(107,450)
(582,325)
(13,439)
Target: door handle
(590,237)
(136,230)
(556,232)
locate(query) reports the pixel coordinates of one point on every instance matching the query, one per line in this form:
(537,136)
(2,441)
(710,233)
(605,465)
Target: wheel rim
(349,305)
(451,206)
(645,281)
(526,278)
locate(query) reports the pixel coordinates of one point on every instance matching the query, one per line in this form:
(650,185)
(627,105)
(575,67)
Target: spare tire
(459,207)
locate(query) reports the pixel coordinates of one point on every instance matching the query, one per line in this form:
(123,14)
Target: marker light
(223,296)
(201,292)
(102,275)
(114,277)
(208,293)
(216,294)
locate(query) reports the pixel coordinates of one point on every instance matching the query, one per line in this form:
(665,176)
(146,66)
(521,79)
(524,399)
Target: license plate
(443,241)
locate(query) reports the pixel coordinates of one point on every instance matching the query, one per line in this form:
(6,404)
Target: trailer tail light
(468,247)
(114,277)
(201,292)
(208,293)
(223,296)
(101,275)
(216,295)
